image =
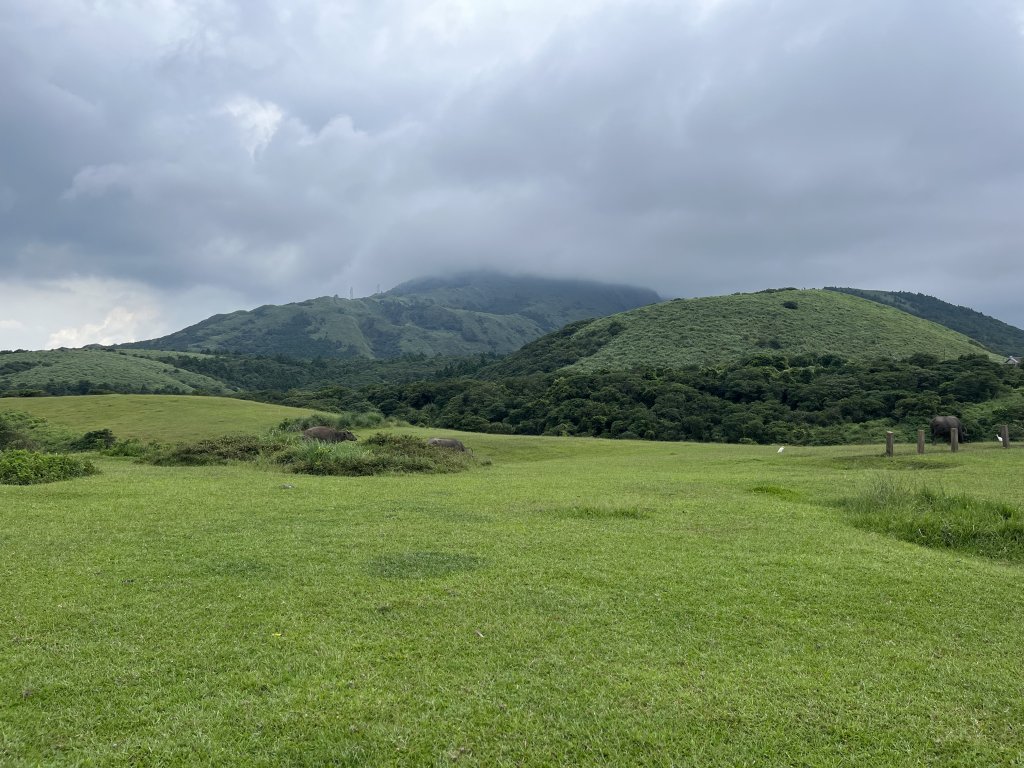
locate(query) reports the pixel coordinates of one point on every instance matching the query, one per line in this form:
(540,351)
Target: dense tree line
(816,399)
(766,398)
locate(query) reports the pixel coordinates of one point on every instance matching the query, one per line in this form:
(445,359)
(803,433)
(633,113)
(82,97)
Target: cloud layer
(171,159)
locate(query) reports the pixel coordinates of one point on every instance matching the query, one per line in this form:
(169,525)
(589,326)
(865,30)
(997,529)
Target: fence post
(888,444)
(954,439)
(920,441)
(1005,434)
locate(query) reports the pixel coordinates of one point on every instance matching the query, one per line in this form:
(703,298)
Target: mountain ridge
(465,314)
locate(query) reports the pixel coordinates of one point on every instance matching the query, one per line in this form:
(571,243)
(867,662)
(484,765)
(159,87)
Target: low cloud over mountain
(166,162)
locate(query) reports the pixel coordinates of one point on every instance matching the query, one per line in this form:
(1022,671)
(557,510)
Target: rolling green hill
(70,371)
(994,334)
(463,315)
(722,329)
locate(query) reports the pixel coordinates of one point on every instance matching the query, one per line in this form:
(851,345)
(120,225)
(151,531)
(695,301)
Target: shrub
(218,450)
(21,467)
(96,440)
(380,453)
(131,447)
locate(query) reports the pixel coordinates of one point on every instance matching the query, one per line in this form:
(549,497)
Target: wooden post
(888,444)
(1004,432)
(920,441)
(954,440)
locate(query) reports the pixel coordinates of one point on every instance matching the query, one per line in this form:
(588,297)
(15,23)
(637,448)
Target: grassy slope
(155,417)
(578,602)
(717,329)
(995,334)
(99,366)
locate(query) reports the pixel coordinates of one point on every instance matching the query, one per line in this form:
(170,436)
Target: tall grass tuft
(931,516)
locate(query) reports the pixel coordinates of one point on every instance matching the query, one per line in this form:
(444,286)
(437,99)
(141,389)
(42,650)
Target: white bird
(781,449)
(999,438)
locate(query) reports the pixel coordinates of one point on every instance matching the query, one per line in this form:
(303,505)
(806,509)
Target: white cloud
(120,324)
(257,121)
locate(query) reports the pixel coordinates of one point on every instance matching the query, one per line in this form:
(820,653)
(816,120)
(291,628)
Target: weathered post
(954,439)
(1004,432)
(920,441)
(888,444)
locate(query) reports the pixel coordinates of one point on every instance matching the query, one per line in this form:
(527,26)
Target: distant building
(1012,360)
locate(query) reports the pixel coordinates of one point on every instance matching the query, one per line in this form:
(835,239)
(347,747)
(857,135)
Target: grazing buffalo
(327,434)
(446,442)
(943,425)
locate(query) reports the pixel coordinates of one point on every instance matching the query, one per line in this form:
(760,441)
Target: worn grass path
(578,602)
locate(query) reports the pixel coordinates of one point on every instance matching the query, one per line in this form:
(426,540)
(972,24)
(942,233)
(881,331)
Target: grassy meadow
(165,418)
(574,602)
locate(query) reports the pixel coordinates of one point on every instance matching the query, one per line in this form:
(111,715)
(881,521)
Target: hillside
(995,334)
(76,371)
(722,329)
(463,315)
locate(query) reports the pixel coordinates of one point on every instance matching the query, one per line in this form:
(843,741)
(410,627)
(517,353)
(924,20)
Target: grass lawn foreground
(575,602)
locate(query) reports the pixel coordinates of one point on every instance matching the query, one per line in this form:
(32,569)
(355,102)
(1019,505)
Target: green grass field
(155,417)
(576,602)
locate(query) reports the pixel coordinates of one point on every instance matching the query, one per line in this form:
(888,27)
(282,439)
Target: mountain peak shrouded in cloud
(163,162)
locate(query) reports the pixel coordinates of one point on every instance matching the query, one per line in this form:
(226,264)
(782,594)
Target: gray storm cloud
(167,157)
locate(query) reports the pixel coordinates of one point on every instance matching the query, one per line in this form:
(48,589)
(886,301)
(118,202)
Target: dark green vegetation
(462,315)
(994,334)
(21,467)
(930,515)
(576,602)
(767,398)
(271,379)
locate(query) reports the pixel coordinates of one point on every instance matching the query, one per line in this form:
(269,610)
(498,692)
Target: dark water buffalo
(446,442)
(942,425)
(328,434)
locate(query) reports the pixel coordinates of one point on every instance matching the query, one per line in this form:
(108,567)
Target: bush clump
(379,454)
(219,450)
(97,440)
(934,517)
(348,420)
(22,467)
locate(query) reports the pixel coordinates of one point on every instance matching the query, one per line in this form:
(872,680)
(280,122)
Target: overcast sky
(165,160)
